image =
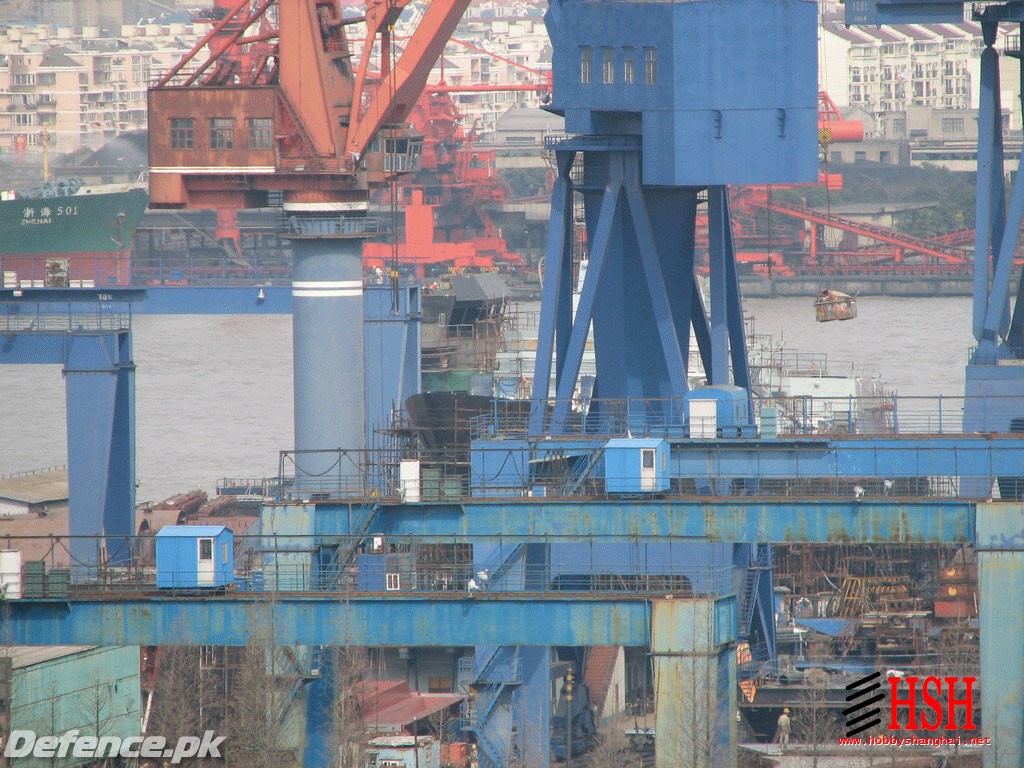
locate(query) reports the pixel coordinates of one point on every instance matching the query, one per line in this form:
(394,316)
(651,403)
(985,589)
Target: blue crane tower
(665,104)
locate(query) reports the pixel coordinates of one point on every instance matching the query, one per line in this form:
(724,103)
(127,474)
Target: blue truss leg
(737,332)
(990,175)
(701,329)
(564,311)
(585,310)
(995,315)
(99,376)
(119,515)
(1015,332)
(321,695)
(674,358)
(718,255)
(558,251)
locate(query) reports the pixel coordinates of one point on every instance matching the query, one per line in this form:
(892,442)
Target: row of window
(222,133)
(628,65)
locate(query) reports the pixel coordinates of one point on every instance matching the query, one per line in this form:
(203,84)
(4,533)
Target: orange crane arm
(403,81)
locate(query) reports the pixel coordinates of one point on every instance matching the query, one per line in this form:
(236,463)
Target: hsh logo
(926,704)
(942,707)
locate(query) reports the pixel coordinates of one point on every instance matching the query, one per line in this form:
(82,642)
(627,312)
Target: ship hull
(72,240)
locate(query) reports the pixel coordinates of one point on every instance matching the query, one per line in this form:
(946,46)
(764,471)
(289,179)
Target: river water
(214,392)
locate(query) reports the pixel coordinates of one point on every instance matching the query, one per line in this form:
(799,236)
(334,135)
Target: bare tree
(351,667)
(613,748)
(442,725)
(814,724)
(262,690)
(177,709)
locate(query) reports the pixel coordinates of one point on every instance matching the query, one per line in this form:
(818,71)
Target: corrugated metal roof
(415,706)
(22,656)
(400,741)
(37,488)
(191,531)
(389,704)
(529,119)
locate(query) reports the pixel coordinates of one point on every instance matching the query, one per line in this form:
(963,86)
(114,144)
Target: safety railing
(51,322)
(366,475)
(401,565)
(803,415)
(967,467)
(335,225)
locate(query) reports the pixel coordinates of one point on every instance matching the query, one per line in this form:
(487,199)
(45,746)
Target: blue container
(194,556)
(636,465)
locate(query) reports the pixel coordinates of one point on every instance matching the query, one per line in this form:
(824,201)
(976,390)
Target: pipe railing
(391,566)
(801,415)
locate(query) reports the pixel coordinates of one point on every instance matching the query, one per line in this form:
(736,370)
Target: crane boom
(403,81)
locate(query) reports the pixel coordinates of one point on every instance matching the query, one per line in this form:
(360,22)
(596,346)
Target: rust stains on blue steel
(330,619)
(926,520)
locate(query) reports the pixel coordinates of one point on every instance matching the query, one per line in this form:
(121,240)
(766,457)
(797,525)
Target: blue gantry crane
(88,333)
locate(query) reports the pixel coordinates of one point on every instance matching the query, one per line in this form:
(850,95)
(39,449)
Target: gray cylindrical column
(327,329)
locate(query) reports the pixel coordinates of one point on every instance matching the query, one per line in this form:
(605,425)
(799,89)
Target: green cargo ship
(69,234)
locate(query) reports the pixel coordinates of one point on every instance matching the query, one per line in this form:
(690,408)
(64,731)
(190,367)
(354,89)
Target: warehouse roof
(36,488)
(22,656)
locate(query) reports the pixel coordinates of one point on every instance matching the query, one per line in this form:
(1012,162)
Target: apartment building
(72,88)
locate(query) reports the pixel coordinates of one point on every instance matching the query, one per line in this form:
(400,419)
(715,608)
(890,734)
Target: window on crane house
(608,65)
(585,59)
(183,133)
(222,133)
(650,65)
(261,133)
(628,65)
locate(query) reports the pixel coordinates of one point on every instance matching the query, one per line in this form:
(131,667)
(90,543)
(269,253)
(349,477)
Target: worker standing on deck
(785,725)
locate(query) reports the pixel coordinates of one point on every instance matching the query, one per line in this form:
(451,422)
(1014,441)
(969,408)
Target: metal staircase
(755,572)
(580,473)
(492,678)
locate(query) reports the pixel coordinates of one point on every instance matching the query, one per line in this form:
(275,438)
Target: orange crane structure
(444,202)
(262,109)
(293,103)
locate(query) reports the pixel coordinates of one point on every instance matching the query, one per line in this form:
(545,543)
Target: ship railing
(36,471)
(40,322)
(880,414)
(360,226)
(293,564)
